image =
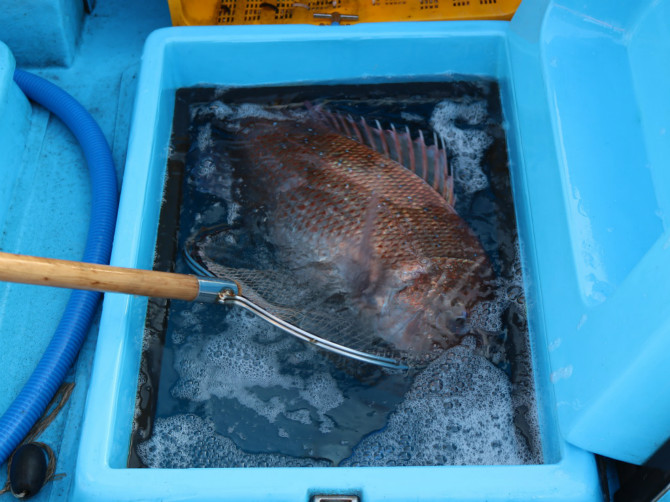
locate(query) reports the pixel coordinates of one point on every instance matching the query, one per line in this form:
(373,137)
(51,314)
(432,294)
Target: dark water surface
(220,388)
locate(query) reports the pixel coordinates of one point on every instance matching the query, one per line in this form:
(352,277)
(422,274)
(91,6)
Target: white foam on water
(459,411)
(218,109)
(301,416)
(213,175)
(411,117)
(184,441)
(233,365)
(232,113)
(326,424)
(250,110)
(467,145)
(221,110)
(212,214)
(220,91)
(487,316)
(187,322)
(323,394)
(204,141)
(473,113)
(233,212)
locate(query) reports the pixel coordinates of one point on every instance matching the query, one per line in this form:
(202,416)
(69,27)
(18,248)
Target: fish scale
(393,243)
(339,185)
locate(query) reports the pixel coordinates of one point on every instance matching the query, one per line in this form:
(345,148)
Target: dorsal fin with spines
(427,162)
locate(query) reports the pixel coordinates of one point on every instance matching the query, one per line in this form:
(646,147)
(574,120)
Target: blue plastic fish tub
(548,163)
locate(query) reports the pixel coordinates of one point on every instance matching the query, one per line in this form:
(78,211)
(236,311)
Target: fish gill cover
(321,205)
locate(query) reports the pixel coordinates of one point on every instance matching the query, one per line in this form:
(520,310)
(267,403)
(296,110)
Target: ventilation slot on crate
(226,12)
(284,10)
(252,12)
(323,5)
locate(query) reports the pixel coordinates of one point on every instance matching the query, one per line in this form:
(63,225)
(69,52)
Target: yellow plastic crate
(227,12)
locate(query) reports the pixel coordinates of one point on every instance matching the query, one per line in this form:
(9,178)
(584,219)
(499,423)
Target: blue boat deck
(46,207)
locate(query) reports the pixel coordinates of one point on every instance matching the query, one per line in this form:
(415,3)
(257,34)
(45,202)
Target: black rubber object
(28,471)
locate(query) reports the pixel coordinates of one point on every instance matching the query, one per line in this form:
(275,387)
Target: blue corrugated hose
(75,323)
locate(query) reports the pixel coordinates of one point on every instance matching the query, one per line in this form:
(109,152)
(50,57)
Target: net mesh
(283,292)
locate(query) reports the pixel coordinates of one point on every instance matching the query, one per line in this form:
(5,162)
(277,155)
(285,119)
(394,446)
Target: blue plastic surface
(48,206)
(42,32)
(599,203)
(242,56)
(32,401)
(15,111)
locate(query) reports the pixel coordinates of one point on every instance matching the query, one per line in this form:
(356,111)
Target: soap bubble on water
(474,113)
(217,109)
(302,416)
(459,411)
(488,315)
(322,393)
(232,364)
(186,440)
(213,175)
(204,141)
(242,111)
(466,144)
(411,117)
(221,110)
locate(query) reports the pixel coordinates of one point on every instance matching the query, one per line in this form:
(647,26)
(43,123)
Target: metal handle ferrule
(212,290)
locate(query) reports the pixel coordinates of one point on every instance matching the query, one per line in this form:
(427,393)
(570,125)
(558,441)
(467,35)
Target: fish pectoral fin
(367,271)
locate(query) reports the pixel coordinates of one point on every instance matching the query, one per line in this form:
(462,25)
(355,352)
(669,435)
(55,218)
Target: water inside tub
(219,387)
